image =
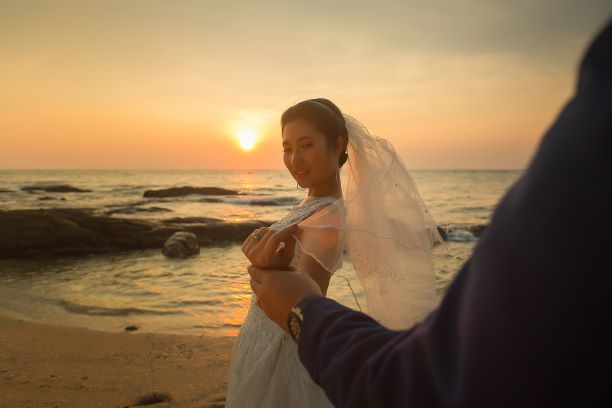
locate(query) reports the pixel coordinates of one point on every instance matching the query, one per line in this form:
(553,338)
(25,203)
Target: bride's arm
(318,242)
(307,264)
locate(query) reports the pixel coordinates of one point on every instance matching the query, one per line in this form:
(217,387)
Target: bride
(380,221)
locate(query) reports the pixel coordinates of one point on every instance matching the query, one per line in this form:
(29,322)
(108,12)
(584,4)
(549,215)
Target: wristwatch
(294,323)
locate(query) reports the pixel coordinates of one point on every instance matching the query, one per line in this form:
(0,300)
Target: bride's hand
(262,247)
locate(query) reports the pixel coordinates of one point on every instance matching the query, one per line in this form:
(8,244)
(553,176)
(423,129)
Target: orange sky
(156,84)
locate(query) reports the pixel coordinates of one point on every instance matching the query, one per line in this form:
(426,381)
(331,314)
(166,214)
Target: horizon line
(238,169)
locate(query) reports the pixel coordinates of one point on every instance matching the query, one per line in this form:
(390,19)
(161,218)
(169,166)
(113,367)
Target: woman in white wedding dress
(266,371)
(381,221)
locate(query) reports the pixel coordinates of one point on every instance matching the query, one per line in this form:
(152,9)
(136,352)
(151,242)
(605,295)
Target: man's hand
(264,250)
(278,291)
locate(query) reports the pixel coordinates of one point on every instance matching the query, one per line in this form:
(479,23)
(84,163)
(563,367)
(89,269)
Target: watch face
(294,324)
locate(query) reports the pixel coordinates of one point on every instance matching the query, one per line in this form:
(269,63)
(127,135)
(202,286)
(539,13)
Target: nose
(295,157)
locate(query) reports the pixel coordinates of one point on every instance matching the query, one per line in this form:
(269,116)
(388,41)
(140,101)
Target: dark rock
(181,245)
(135,210)
(442,233)
(190,220)
(71,232)
(266,203)
(152,398)
(54,188)
(4,190)
(131,328)
(183,191)
(46,198)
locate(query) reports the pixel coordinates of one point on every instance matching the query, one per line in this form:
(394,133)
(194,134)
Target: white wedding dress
(266,370)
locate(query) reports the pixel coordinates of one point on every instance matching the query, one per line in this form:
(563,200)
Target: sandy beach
(49,366)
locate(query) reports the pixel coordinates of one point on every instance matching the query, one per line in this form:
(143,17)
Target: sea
(210,293)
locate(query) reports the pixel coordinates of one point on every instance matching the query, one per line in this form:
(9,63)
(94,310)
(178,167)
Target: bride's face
(307,155)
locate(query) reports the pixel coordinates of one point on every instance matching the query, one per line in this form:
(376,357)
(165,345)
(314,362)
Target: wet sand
(50,366)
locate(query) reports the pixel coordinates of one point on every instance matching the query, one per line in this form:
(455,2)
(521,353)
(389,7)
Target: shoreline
(59,366)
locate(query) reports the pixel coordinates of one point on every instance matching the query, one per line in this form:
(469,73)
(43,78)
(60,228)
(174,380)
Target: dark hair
(324,116)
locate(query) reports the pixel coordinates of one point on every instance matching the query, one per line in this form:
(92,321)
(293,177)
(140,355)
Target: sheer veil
(388,232)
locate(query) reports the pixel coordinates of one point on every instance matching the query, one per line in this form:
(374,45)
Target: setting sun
(247,138)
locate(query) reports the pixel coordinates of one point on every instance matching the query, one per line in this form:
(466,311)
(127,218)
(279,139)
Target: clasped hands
(277,287)
(271,249)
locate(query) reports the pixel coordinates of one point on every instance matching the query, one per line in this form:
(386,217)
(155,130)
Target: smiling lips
(301,174)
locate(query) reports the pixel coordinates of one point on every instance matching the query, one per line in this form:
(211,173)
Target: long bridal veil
(388,231)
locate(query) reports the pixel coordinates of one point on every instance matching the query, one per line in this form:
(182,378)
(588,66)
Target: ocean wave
(475,208)
(109,311)
(253,199)
(211,302)
(268,201)
(258,202)
(277,188)
(131,186)
(278,201)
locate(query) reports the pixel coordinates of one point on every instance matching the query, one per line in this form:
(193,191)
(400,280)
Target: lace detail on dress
(302,211)
(266,370)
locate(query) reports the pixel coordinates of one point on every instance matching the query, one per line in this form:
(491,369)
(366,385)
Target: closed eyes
(306,146)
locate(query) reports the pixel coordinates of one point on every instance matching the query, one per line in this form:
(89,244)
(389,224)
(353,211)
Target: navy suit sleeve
(524,322)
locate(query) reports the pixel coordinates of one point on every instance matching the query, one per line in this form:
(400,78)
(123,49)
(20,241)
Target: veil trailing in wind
(388,232)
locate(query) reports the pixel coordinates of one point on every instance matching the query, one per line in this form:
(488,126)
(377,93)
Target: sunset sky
(172,84)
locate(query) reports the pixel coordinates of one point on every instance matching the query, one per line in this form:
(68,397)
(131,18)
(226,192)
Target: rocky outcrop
(181,244)
(191,220)
(49,198)
(136,210)
(153,398)
(67,232)
(184,191)
(442,233)
(54,188)
(274,201)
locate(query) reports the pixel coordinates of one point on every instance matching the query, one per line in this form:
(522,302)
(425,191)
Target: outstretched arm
(360,363)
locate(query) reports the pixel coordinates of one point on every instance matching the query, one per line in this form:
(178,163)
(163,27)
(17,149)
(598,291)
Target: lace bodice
(299,213)
(302,211)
